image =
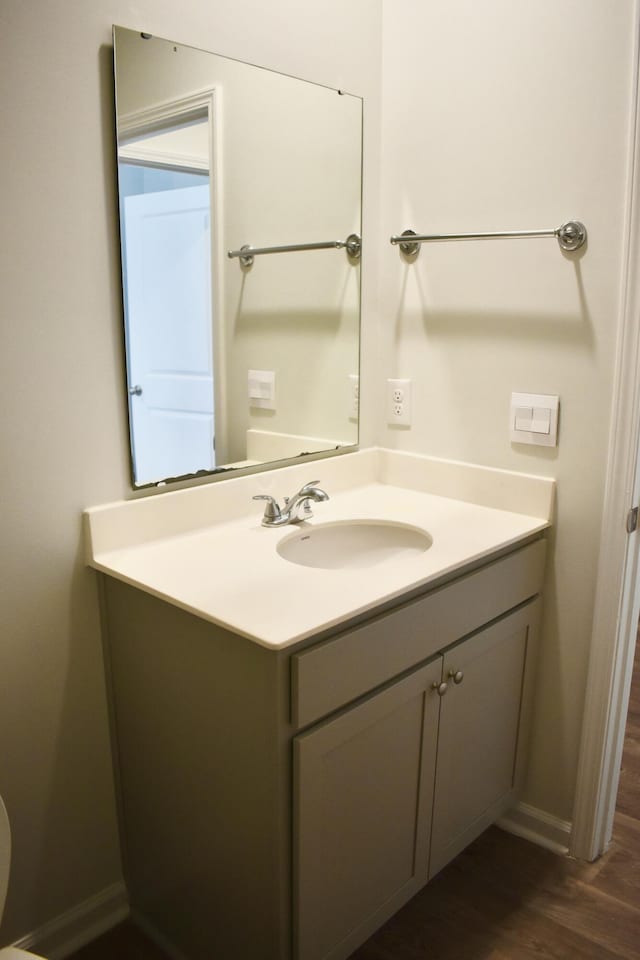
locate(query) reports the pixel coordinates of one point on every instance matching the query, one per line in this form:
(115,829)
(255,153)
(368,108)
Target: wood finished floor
(503,898)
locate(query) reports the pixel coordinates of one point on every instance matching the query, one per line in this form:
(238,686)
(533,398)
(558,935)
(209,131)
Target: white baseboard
(539,827)
(71,930)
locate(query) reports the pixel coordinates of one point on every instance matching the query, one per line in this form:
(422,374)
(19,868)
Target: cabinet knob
(456,675)
(440,688)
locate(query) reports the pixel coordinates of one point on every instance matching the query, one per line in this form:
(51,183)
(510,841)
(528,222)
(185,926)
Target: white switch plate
(534,419)
(399,403)
(354,396)
(261,389)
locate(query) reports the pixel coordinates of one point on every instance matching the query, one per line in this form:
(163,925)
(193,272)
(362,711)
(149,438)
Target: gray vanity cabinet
(282,804)
(363,790)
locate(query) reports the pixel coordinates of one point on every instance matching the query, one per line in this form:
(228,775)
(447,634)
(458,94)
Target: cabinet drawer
(337,671)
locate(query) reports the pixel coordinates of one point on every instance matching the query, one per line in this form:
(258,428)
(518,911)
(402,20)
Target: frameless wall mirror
(235,357)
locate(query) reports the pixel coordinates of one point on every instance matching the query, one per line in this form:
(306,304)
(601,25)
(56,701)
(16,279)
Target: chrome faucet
(295,509)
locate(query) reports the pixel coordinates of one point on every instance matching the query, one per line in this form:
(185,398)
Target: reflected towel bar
(570,235)
(352,245)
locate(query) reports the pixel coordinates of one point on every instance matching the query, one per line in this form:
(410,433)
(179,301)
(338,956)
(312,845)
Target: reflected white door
(169,332)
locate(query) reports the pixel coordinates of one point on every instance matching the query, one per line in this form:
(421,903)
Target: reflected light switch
(261,389)
(534,419)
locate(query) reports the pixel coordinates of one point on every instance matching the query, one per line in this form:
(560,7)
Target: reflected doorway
(166,202)
(165,217)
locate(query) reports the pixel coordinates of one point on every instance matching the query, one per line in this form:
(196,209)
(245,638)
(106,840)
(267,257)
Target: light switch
(541,420)
(261,389)
(534,419)
(523,418)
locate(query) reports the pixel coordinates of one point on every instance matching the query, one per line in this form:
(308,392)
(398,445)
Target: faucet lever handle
(272,510)
(307,486)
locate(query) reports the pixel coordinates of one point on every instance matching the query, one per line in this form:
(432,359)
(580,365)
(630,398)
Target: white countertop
(229,571)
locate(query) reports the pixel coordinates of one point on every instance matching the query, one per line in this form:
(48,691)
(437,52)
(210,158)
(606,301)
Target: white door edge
(617,601)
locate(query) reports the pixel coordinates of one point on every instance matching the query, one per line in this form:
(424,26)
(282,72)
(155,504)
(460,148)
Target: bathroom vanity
(298,757)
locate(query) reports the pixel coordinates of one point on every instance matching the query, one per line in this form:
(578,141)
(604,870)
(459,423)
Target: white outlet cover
(398,414)
(354,395)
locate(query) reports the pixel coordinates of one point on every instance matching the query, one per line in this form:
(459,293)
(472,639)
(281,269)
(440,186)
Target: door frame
(161,116)
(617,599)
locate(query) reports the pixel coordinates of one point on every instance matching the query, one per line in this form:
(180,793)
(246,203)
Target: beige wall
(64,436)
(501,116)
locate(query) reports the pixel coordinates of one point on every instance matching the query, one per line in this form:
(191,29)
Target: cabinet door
(362,808)
(483,728)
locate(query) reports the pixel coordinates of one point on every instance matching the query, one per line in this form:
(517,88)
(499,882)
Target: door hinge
(632,520)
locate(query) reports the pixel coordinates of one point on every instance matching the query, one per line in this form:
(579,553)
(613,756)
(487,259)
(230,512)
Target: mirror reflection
(235,360)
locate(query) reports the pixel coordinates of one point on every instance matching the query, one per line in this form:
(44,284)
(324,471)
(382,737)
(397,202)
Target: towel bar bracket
(572,235)
(410,248)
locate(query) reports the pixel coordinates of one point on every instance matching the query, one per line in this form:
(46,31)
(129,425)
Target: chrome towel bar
(352,245)
(570,235)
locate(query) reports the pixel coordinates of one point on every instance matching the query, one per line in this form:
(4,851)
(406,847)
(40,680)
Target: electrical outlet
(354,396)
(399,403)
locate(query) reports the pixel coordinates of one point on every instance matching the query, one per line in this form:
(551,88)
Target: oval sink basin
(353,543)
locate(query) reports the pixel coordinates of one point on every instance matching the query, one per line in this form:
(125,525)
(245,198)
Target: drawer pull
(456,675)
(441,688)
